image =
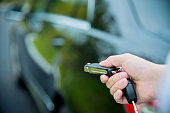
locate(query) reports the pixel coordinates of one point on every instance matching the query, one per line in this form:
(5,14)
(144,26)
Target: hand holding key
(144,74)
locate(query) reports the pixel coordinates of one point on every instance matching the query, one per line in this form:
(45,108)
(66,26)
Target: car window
(72,8)
(94,11)
(103,19)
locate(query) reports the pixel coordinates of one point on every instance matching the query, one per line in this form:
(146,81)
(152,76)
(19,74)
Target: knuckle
(111,92)
(110,81)
(107,85)
(110,57)
(113,89)
(119,76)
(127,54)
(119,85)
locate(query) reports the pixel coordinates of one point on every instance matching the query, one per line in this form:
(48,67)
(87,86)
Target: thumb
(115,60)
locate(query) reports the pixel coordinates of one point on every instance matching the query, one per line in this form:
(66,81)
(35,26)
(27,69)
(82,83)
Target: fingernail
(123,74)
(101,62)
(122,81)
(103,79)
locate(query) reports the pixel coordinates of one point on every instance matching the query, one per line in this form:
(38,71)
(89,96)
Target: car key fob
(129,92)
(95,68)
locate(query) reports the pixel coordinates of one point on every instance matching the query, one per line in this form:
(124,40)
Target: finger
(116,77)
(115,60)
(119,97)
(104,78)
(120,85)
(106,63)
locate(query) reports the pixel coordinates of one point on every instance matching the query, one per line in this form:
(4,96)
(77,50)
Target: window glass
(103,19)
(72,8)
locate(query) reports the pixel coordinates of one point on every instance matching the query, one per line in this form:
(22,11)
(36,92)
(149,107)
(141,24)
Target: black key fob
(129,92)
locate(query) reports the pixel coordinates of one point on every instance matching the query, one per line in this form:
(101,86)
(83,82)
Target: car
(56,38)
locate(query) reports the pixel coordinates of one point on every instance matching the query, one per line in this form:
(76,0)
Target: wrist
(160,70)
